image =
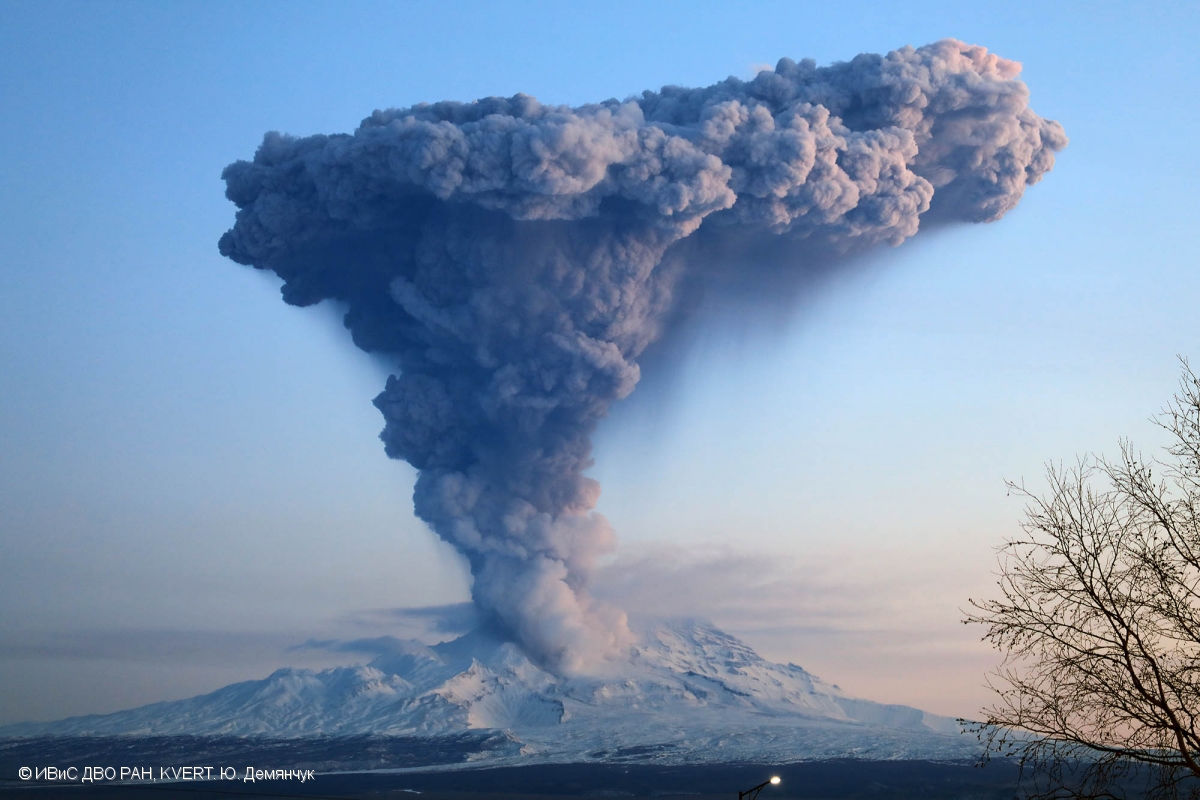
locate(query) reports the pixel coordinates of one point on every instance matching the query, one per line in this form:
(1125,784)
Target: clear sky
(190,479)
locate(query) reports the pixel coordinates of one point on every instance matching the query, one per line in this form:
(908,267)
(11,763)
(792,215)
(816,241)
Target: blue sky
(191,482)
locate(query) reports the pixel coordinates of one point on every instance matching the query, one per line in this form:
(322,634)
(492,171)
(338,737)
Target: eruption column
(509,256)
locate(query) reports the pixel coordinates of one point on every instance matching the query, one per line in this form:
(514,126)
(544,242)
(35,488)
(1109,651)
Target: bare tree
(1099,621)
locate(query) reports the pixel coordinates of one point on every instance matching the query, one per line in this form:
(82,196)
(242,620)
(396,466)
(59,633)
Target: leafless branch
(1098,616)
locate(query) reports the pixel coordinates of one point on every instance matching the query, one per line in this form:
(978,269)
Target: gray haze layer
(509,256)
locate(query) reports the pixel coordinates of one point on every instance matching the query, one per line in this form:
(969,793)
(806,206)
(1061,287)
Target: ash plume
(510,257)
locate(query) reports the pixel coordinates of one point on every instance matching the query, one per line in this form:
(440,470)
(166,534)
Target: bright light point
(775,780)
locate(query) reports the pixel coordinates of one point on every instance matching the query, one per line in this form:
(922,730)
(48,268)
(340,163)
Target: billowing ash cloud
(510,256)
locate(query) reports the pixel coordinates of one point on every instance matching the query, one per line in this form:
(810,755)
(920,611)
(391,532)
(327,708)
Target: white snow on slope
(688,693)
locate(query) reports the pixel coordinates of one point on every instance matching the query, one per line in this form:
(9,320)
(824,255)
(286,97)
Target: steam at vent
(509,256)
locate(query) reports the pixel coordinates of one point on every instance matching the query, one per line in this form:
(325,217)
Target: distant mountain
(688,693)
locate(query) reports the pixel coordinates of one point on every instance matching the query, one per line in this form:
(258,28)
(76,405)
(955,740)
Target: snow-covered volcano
(688,693)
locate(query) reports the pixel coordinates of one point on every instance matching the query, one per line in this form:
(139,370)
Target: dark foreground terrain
(827,779)
(437,778)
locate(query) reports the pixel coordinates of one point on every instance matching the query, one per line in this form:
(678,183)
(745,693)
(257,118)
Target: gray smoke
(509,256)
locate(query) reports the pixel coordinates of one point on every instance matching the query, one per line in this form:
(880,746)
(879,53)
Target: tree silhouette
(1099,621)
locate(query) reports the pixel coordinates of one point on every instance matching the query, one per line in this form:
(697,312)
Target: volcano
(687,693)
